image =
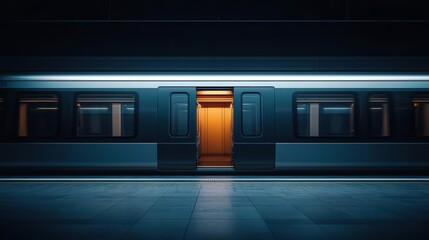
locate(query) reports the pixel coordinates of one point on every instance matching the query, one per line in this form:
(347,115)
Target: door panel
(254,124)
(177,148)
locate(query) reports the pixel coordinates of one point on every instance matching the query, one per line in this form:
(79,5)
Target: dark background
(310,35)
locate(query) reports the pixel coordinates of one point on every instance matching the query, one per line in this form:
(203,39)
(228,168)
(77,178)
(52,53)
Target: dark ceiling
(191,28)
(214,10)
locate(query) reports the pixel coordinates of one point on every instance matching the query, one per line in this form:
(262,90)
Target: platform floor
(214,210)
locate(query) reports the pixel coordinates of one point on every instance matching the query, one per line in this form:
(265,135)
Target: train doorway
(215,128)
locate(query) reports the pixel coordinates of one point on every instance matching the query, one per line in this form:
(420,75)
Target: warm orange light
(215,113)
(214,92)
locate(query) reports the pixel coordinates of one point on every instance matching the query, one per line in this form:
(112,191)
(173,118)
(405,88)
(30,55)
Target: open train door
(254,128)
(177,128)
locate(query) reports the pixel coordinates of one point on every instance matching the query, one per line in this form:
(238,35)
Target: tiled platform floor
(214,210)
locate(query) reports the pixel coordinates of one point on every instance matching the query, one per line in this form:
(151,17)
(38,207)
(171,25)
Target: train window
(2,116)
(325,115)
(379,115)
(105,115)
(38,115)
(179,114)
(251,114)
(421,116)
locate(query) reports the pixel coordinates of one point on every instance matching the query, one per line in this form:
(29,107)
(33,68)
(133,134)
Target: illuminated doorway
(215,128)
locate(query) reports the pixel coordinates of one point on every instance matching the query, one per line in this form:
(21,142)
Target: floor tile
(228,229)
(220,210)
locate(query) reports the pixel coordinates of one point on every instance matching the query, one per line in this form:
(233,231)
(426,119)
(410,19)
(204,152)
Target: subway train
(229,122)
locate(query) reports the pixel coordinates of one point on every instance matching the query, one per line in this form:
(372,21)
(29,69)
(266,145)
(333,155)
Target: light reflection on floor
(214,210)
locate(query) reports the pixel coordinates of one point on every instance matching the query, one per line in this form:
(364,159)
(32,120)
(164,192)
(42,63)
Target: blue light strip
(214,179)
(216,77)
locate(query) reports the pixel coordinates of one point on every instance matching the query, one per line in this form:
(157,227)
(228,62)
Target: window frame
(59,114)
(170,116)
(75,114)
(356,122)
(2,127)
(413,96)
(261,116)
(389,97)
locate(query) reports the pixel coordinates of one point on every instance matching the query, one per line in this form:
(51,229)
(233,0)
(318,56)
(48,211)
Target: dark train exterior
(234,122)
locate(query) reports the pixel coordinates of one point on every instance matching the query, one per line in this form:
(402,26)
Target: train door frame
(215,127)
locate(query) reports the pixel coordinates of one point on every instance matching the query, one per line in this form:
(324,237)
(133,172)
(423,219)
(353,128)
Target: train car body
(218,122)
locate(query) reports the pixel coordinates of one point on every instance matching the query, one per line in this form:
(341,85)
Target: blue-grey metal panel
(179,156)
(167,97)
(138,155)
(254,156)
(351,155)
(254,128)
(261,100)
(177,128)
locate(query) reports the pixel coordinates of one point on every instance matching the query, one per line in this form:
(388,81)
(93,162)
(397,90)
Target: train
(227,122)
